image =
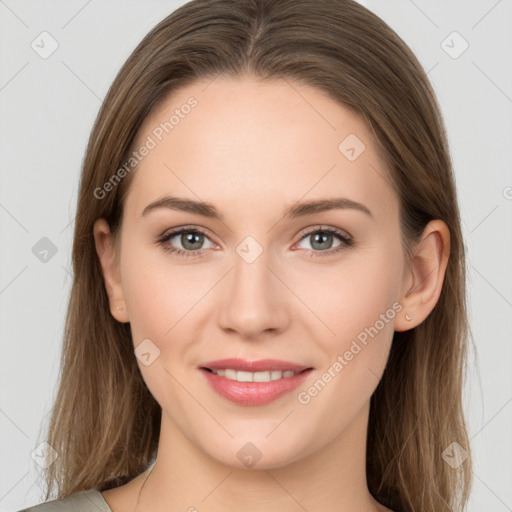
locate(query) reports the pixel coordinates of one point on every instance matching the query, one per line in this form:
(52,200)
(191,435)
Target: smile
(253,388)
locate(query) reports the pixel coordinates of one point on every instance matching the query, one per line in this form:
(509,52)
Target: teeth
(254,376)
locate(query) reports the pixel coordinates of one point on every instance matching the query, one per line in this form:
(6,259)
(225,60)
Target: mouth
(249,388)
(248,376)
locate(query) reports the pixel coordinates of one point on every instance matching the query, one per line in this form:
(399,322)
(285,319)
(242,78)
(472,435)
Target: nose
(254,300)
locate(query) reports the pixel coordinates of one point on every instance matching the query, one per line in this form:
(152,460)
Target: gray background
(47,110)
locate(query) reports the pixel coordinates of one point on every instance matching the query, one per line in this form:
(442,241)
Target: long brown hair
(105,423)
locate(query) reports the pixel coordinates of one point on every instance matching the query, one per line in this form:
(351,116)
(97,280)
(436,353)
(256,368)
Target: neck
(184,477)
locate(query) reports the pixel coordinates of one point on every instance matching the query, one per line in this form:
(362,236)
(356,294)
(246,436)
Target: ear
(424,279)
(106,250)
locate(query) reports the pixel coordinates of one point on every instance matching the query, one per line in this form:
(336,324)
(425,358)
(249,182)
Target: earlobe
(106,251)
(424,281)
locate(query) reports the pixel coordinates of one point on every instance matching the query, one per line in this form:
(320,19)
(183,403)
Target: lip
(262,365)
(254,393)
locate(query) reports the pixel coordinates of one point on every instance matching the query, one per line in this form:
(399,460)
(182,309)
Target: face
(315,287)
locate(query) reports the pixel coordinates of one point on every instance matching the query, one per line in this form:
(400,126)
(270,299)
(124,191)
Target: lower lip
(254,393)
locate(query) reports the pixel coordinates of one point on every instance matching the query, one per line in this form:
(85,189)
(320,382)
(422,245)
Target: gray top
(83,501)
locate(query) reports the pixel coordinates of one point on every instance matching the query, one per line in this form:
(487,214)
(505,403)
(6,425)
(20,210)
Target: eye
(191,240)
(323,238)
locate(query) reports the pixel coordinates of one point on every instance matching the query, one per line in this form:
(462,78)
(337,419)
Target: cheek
(158,297)
(356,304)
(158,292)
(358,291)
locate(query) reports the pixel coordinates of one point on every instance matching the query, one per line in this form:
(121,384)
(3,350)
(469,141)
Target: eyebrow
(208,210)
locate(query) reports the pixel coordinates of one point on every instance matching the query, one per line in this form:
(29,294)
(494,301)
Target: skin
(252,149)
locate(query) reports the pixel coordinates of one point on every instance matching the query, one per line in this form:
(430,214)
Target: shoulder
(83,501)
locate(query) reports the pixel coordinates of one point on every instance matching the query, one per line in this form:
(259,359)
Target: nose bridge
(251,275)
(253,302)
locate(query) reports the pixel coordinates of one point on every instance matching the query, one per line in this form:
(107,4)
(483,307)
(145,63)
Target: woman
(268,307)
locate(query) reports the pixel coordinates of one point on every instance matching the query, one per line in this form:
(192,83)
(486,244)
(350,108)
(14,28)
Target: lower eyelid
(345,241)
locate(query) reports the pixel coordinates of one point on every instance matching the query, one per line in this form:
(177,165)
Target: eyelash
(346,241)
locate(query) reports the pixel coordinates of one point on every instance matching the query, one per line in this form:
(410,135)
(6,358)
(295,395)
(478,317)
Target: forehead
(249,146)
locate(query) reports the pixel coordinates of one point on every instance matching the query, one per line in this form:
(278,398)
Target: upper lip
(253,366)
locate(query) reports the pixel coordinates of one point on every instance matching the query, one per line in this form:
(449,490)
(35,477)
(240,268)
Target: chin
(258,453)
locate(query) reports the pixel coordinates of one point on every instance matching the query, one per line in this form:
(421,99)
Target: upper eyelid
(302,234)
(324,227)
